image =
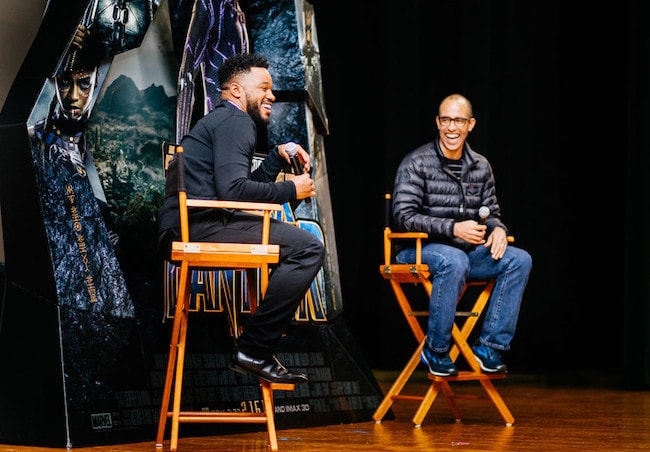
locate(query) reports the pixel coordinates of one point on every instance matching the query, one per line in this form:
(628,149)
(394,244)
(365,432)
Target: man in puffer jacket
(440,188)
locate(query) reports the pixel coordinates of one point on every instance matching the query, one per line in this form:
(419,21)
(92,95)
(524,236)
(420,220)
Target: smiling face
(258,93)
(252,91)
(454,122)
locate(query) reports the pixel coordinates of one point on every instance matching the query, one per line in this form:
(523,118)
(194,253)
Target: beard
(253,110)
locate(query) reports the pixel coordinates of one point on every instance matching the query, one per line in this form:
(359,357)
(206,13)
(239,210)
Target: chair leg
(184,296)
(175,363)
(450,397)
(396,389)
(423,408)
(171,364)
(269,408)
(174,382)
(405,306)
(498,402)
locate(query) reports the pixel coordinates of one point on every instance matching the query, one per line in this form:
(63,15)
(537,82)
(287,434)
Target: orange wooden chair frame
(418,273)
(190,256)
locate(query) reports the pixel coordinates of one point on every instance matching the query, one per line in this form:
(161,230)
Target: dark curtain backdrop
(560,92)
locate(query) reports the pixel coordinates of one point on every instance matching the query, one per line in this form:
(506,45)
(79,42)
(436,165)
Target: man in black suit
(218,156)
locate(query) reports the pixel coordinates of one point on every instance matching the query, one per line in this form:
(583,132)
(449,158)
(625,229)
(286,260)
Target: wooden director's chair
(190,256)
(417,273)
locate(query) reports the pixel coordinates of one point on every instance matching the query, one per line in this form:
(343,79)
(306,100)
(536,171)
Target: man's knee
(318,248)
(524,260)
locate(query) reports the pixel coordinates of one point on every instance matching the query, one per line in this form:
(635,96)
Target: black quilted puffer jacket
(428,198)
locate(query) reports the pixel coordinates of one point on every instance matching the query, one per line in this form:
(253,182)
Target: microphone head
(291,149)
(484,212)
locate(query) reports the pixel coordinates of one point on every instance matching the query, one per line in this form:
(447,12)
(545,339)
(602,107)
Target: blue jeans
(450,268)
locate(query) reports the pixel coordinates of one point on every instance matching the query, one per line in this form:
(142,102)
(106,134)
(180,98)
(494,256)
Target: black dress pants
(301,257)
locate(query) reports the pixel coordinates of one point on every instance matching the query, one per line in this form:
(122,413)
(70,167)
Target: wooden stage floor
(548,418)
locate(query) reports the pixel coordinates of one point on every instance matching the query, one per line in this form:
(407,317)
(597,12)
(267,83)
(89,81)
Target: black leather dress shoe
(269,369)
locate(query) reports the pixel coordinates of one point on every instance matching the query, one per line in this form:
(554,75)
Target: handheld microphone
(292,150)
(483,213)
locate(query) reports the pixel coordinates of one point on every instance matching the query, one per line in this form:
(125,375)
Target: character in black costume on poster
(62,131)
(77,218)
(215,30)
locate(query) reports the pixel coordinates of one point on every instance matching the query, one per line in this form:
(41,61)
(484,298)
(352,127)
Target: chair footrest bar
(469,397)
(206,417)
(283,386)
(468,376)
(407,397)
(466,314)
(419,313)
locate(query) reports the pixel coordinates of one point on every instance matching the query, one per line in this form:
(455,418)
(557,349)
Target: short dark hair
(239,64)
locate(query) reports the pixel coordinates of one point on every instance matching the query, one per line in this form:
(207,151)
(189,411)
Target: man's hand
(304,186)
(304,156)
(470,231)
(498,241)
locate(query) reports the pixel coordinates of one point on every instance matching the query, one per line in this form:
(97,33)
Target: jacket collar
(467,157)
